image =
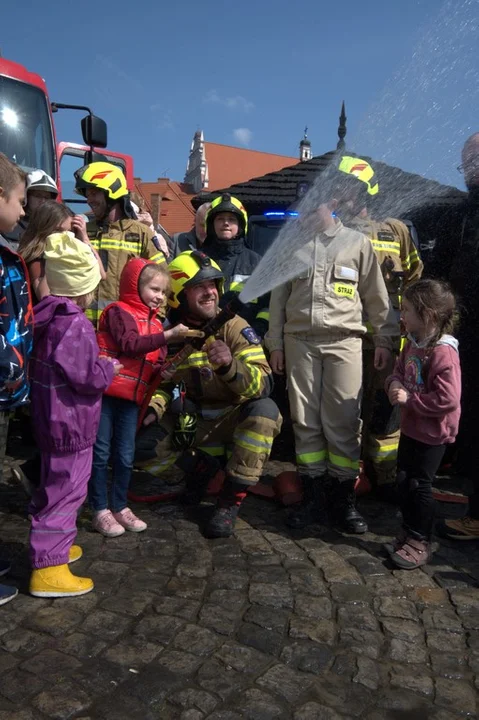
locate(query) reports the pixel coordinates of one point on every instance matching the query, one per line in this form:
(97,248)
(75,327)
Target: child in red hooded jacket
(131,332)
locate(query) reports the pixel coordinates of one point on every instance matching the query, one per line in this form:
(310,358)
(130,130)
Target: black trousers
(417,466)
(467,443)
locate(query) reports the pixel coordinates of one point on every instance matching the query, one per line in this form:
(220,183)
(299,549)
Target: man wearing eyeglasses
(456,259)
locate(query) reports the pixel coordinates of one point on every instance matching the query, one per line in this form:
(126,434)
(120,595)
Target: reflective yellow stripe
(156,467)
(93,313)
(255,384)
(386,452)
(163,395)
(214,450)
(252,448)
(390,247)
(111,244)
(343,462)
(311,458)
(403,343)
(196,359)
(251,353)
(263,315)
(253,441)
(158,258)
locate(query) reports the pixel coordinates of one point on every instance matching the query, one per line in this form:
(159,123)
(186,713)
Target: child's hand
(276,360)
(79,228)
(398,396)
(182,331)
(117,367)
(150,418)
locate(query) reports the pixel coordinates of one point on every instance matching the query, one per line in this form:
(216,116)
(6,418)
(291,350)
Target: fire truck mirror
(94,131)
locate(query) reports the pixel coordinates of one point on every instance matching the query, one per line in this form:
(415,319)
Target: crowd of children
(86,388)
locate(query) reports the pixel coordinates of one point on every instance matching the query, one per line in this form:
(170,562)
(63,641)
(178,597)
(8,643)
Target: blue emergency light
(288,213)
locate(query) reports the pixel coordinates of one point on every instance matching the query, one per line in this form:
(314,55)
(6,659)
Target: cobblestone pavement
(267,625)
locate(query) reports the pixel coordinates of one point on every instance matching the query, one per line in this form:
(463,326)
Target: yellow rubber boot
(75,554)
(58,581)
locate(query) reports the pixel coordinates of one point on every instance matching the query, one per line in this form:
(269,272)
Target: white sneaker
(104,523)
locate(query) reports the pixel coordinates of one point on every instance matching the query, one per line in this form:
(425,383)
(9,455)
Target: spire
(305,147)
(342,128)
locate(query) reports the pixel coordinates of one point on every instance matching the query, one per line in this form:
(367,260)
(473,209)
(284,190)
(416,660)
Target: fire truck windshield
(26,134)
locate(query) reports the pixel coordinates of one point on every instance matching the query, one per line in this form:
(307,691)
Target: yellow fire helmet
(227,203)
(104,176)
(362,170)
(191,268)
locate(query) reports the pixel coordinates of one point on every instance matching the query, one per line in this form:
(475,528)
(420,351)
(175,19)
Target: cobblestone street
(269,624)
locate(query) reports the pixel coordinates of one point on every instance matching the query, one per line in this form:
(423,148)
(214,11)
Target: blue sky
(256,72)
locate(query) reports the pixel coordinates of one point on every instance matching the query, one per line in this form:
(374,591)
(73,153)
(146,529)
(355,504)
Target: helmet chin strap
(125,204)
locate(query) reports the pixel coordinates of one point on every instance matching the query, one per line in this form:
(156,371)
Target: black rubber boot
(222,522)
(200,468)
(343,508)
(312,508)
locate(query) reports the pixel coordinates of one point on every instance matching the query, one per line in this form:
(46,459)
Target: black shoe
(200,468)
(344,511)
(195,489)
(312,508)
(222,523)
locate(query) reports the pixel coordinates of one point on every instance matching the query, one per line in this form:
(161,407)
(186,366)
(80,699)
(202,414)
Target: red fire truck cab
(27,132)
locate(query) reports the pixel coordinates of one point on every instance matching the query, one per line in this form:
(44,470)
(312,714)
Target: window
(71,160)
(26,133)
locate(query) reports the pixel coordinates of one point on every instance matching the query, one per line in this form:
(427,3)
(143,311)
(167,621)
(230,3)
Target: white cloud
(243,136)
(237,102)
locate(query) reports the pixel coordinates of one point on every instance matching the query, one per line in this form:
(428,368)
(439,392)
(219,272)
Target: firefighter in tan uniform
(401,265)
(115,232)
(316,329)
(226,385)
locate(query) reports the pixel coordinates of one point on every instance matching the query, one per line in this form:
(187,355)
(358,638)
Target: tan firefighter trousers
(380,423)
(324,390)
(244,434)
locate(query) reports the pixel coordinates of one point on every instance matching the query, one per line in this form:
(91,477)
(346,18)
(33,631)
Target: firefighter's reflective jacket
(397,253)
(215,390)
(117,243)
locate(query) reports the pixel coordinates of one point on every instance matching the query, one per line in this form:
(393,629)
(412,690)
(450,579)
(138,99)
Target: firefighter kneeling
(224,387)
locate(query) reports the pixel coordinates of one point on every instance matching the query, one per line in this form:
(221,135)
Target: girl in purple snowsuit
(68,380)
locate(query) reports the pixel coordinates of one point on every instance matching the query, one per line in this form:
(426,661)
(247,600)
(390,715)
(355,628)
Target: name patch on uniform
(132,237)
(347,273)
(344,290)
(251,336)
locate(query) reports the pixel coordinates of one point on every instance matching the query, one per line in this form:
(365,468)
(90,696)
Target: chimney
(155,202)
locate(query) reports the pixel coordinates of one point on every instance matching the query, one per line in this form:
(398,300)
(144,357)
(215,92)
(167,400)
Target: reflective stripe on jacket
(116,243)
(214,391)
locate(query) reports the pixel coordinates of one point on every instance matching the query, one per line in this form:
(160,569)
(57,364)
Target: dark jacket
(68,377)
(181,242)
(16,329)
(237,263)
(456,259)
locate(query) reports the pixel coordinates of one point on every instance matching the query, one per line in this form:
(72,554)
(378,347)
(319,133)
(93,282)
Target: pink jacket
(431,414)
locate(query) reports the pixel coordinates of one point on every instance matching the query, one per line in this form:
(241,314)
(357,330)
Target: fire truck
(27,133)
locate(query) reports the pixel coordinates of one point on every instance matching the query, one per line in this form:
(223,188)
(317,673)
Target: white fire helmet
(39,180)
